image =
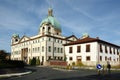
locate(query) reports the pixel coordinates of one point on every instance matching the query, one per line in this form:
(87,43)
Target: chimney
(97,37)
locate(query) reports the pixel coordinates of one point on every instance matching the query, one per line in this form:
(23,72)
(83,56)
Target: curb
(15,74)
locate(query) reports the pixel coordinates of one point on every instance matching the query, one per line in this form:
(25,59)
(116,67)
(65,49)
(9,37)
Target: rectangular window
(49,57)
(79,58)
(110,59)
(33,49)
(114,50)
(88,48)
(42,48)
(55,49)
(117,52)
(70,49)
(117,59)
(38,49)
(49,49)
(49,39)
(70,58)
(110,51)
(114,59)
(54,40)
(29,50)
(78,49)
(106,49)
(101,48)
(100,58)
(58,50)
(61,58)
(88,58)
(61,50)
(105,58)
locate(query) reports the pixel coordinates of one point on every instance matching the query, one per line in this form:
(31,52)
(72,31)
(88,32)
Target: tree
(3,54)
(33,61)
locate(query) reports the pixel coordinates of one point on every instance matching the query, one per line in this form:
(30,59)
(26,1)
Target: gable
(72,38)
(24,38)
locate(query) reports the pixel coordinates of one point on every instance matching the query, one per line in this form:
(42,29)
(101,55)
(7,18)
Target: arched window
(43,30)
(57,33)
(49,29)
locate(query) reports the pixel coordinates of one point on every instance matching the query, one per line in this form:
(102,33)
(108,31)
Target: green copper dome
(51,19)
(15,35)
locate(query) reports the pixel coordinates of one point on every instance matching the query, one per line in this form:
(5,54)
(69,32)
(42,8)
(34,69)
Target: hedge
(11,64)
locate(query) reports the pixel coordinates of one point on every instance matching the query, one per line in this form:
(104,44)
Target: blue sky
(98,18)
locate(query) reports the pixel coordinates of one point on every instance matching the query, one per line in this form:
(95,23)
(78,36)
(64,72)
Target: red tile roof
(89,39)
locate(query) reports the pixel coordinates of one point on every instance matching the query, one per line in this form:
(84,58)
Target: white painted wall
(94,54)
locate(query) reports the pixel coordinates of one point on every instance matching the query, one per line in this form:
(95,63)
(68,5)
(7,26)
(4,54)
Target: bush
(30,61)
(79,63)
(38,61)
(73,63)
(33,61)
(65,58)
(11,64)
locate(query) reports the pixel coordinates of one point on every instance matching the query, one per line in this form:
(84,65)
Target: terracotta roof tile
(89,39)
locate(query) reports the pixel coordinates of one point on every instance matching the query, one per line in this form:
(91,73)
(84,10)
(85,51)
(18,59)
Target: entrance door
(24,54)
(79,58)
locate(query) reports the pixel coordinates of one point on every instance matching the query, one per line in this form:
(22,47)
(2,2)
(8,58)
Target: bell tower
(15,38)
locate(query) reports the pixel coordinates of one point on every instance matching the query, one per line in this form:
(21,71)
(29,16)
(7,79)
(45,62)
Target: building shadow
(113,76)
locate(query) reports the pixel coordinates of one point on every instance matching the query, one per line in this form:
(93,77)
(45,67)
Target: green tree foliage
(65,58)
(30,61)
(33,61)
(3,54)
(73,63)
(38,61)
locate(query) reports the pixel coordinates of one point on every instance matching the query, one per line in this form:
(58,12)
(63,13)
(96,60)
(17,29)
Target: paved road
(47,73)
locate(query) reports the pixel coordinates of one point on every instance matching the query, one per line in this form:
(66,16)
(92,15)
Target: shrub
(33,61)
(65,58)
(11,64)
(30,61)
(79,63)
(38,61)
(73,63)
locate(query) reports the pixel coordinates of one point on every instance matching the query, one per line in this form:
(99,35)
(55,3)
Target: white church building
(49,43)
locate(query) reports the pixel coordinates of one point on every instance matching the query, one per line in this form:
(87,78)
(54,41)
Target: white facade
(99,52)
(48,44)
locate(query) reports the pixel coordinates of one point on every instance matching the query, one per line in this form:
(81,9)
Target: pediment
(24,38)
(72,38)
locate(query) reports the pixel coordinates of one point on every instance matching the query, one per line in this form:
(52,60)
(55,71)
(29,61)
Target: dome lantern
(52,20)
(50,11)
